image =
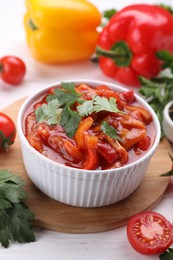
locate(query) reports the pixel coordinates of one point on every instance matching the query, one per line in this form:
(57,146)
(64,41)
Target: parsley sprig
(59,108)
(158,92)
(110,131)
(15,216)
(98,104)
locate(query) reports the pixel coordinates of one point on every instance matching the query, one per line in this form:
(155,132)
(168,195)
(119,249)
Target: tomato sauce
(103,139)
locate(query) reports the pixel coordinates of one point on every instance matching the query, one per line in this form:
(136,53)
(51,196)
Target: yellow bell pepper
(61,30)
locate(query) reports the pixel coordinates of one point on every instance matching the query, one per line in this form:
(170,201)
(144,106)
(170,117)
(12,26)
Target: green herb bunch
(15,216)
(159,91)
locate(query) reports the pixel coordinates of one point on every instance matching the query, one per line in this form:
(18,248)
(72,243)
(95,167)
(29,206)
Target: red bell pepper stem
(1,67)
(120,53)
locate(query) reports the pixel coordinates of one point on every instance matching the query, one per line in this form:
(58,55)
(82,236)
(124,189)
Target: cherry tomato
(12,69)
(7,131)
(149,233)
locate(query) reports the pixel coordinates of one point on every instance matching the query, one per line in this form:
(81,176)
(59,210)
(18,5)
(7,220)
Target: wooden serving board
(57,216)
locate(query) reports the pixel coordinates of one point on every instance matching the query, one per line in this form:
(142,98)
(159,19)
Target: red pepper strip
(123,154)
(127,46)
(73,151)
(92,159)
(127,121)
(44,131)
(145,114)
(107,152)
(79,135)
(32,134)
(104,91)
(131,137)
(86,91)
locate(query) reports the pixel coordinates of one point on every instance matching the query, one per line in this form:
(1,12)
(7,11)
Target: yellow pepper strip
(61,30)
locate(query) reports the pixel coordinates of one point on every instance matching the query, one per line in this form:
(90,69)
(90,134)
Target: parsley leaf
(66,95)
(158,92)
(70,121)
(15,217)
(98,104)
(102,103)
(110,131)
(167,255)
(49,113)
(86,108)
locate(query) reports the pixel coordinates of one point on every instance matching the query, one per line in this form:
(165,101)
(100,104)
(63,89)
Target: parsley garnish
(110,131)
(15,217)
(167,255)
(49,113)
(70,121)
(98,104)
(59,110)
(158,92)
(66,95)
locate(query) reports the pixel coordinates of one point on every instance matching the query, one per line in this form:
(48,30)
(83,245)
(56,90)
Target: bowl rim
(92,82)
(166,113)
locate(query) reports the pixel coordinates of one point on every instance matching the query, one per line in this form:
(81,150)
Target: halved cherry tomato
(7,131)
(12,69)
(149,233)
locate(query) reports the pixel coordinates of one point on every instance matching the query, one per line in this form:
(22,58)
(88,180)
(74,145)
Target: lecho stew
(89,128)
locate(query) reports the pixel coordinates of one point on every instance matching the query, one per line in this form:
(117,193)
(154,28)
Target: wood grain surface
(57,216)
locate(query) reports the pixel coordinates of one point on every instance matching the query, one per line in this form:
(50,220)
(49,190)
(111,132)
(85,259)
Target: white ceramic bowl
(167,122)
(77,187)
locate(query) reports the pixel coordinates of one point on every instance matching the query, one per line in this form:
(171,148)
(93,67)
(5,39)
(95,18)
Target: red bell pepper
(128,44)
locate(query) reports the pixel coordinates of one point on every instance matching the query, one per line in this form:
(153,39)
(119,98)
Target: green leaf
(15,224)
(66,95)
(157,92)
(104,104)
(12,193)
(86,108)
(69,86)
(167,255)
(169,173)
(110,131)
(15,217)
(70,121)
(7,176)
(109,13)
(98,104)
(49,113)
